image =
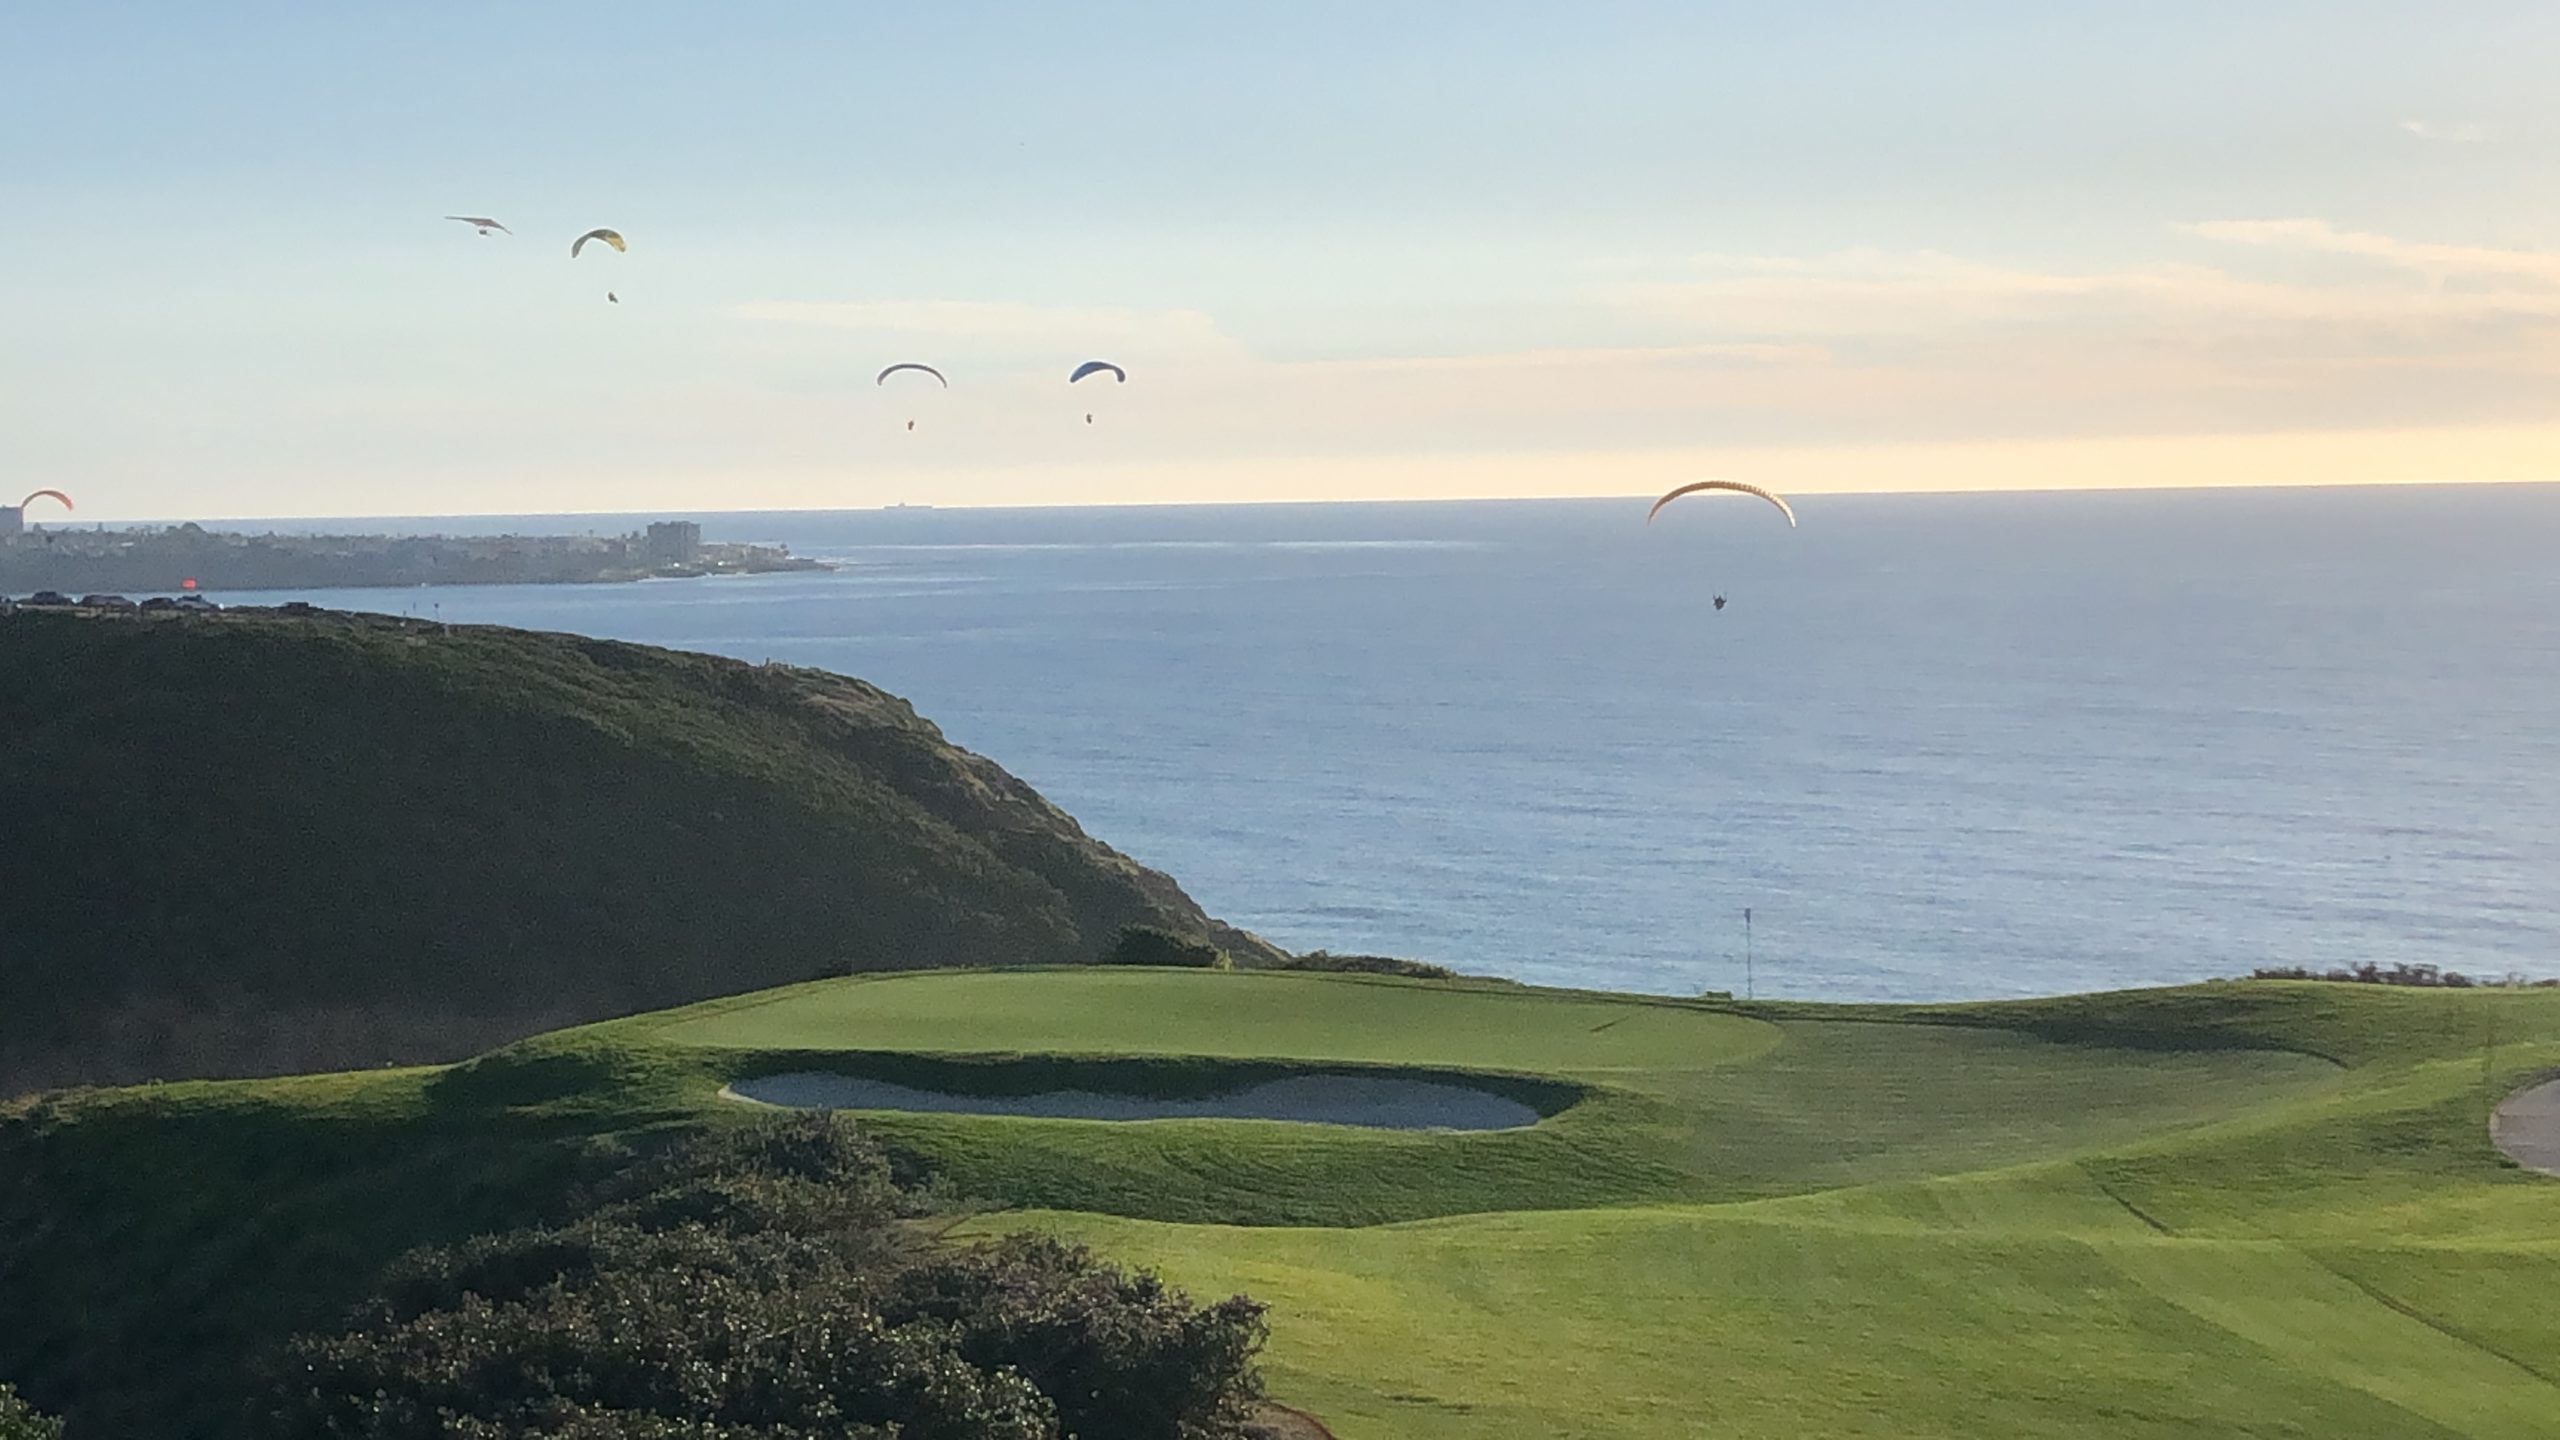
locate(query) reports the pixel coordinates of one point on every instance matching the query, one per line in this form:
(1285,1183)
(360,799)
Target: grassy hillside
(256,844)
(2231,1210)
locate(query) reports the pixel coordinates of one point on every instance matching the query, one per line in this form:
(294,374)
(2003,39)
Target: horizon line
(1283,501)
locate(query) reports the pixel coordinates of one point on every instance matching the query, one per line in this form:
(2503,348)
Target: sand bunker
(1381,1102)
(2527,1127)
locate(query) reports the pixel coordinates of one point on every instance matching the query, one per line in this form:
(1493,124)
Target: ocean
(1937,746)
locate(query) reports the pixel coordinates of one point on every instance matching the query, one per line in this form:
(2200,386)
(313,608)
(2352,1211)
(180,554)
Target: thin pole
(1747,986)
(2489,1054)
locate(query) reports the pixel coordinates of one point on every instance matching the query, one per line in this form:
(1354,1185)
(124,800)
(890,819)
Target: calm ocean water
(1940,746)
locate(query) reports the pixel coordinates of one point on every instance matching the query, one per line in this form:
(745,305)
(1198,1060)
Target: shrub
(19,1421)
(758,1284)
(2423,976)
(1121,1354)
(1326,960)
(1147,945)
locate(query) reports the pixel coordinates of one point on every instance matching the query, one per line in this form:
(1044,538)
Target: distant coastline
(190,557)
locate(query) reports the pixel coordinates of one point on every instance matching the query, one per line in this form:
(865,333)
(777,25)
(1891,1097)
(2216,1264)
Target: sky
(1345,250)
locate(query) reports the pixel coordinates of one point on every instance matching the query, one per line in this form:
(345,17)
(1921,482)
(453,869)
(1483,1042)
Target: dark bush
(1326,960)
(19,1421)
(760,1284)
(1147,945)
(635,1350)
(1121,1354)
(2422,976)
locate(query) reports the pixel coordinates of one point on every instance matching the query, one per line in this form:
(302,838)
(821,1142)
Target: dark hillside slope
(257,844)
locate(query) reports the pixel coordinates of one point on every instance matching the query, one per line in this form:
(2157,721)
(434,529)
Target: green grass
(2223,1211)
(2233,1210)
(2348,1259)
(1368,1019)
(1676,1322)
(1684,1101)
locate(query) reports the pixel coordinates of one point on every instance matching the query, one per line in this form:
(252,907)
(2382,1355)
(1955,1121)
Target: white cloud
(2460,133)
(2282,324)
(1194,333)
(992,327)
(2426,258)
(1873,299)
(2266,325)
(1885,295)
(1588,358)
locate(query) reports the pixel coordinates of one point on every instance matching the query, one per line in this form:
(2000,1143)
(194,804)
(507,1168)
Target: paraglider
(46,495)
(609,237)
(1098,367)
(1738,488)
(918,367)
(481,223)
(1735,486)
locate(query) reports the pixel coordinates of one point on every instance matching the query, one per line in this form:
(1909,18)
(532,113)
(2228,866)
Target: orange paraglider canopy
(46,495)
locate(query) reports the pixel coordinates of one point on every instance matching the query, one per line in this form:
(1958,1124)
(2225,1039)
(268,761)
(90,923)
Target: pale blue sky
(1344,248)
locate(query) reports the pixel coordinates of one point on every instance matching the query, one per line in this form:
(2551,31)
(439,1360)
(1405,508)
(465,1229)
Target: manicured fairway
(1685,1322)
(1692,1102)
(2262,1210)
(1242,1013)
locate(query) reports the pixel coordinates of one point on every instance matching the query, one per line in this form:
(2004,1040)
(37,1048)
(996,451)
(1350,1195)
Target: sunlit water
(1939,746)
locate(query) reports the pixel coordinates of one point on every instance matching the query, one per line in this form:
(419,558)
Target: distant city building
(674,542)
(13,522)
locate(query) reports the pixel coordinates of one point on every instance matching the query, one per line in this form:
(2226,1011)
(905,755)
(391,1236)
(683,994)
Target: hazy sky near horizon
(1346,250)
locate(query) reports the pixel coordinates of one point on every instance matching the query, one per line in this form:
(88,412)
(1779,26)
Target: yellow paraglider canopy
(610,237)
(1735,486)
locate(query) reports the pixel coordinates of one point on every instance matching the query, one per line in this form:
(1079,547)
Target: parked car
(49,599)
(195,604)
(105,602)
(299,607)
(159,603)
